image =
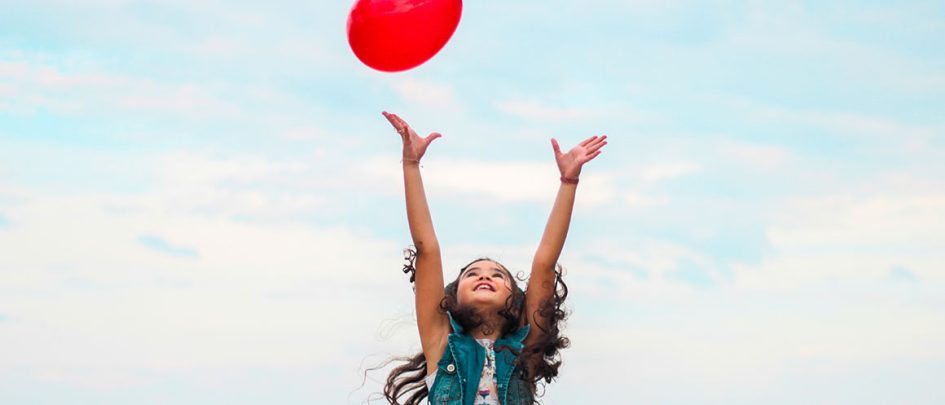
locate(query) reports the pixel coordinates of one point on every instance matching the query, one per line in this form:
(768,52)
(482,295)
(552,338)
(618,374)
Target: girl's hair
(406,382)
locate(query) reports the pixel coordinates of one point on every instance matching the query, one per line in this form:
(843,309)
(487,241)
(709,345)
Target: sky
(200,201)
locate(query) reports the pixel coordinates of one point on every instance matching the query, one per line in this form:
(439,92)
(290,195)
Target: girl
(484,340)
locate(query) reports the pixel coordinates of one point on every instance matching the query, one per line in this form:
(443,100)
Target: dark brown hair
(405,384)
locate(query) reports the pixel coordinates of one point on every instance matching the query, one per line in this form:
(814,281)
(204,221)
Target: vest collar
(514,339)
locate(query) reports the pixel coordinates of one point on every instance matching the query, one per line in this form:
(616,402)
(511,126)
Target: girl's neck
(478,334)
(488,330)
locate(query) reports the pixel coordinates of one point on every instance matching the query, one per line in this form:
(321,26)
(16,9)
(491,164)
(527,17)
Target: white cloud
(641,200)
(719,340)
(92,308)
(910,137)
(495,181)
(871,220)
(924,83)
(756,156)
(660,172)
(848,123)
(87,88)
(640,270)
(38,85)
(856,124)
(851,237)
(540,111)
(437,96)
(528,181)
(305,132)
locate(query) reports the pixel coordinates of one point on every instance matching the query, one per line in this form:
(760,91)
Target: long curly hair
(539,360)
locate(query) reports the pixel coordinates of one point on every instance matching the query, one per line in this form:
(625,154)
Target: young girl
(484,340)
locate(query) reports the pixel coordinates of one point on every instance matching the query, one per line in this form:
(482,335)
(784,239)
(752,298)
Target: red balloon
(396,35)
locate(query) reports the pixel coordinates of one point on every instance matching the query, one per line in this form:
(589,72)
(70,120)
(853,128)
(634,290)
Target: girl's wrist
(569,180)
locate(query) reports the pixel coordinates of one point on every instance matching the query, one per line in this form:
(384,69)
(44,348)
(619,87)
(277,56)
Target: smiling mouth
(484,287)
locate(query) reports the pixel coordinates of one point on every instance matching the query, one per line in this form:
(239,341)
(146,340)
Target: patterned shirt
(487,393)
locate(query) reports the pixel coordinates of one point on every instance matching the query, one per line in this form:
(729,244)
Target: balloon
(396,35)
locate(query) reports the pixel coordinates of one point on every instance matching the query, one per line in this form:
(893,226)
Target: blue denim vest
(458,372)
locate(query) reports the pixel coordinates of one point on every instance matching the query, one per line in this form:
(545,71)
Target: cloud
(692,274)
(862,220)
(864,129)
(645,177)
(856,124)
(793,339)
(159,244)
(257,295)
(756,156)
(179,210)
(852,237)
(305,133)
(899,273)
(89,90)
(438,96)
(660,172)
(37,85)
(496,181)
(924,83)
(240,185)
(539,111)
(515,181)
(643,269)
(641,200)
(841,122)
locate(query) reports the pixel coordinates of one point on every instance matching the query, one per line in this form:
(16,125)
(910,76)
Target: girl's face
(485,285)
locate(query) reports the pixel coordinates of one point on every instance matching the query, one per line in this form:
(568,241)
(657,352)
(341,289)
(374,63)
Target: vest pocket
(519,391)
(446,389)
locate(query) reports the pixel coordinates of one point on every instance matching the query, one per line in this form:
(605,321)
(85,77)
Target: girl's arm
(431,322)
(541,282)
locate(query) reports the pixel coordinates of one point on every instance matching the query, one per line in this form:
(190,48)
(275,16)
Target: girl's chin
(484,302)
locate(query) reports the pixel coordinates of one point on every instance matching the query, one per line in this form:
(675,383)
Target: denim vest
(458,372)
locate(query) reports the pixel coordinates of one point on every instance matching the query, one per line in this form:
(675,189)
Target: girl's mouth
(484,286)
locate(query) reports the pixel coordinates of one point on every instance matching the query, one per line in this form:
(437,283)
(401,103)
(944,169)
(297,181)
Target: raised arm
(432,323)
(541,282)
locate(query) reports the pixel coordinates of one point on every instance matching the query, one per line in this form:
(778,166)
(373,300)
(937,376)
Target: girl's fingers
(403,123)
(396,122)
(596,147)
(588,140)
(554,145)
(390,119)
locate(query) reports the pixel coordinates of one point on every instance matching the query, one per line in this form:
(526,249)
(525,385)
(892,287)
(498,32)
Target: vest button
(451,369)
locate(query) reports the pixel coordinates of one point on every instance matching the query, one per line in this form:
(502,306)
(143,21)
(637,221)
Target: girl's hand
(570,163)
(414,145)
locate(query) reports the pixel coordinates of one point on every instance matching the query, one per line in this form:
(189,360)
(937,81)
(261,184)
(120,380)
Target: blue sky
(201,203)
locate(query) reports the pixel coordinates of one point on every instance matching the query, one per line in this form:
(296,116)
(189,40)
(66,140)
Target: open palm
(414,145)
(570,163)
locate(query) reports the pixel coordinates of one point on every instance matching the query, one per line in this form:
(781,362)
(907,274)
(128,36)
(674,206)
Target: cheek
(508,291)
(460,292)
